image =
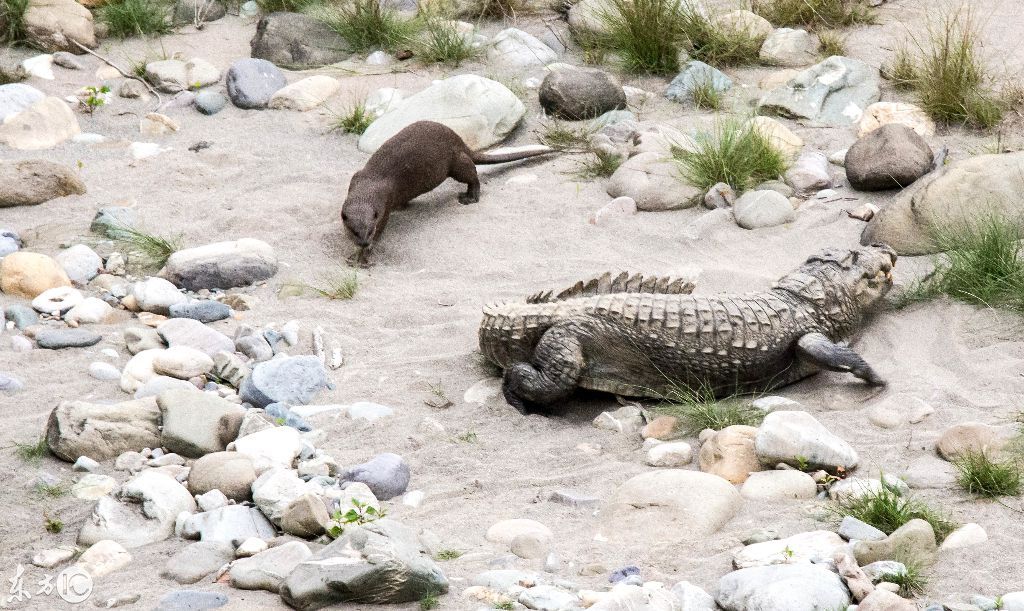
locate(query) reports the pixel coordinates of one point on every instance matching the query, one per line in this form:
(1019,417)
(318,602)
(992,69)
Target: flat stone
(50,558)
(761,209)
(194,334)
(102,431)
(672,454)
(274,447)
(268,569)
(506,531)
(93,486)
(306,94)
(291,380)
(196,424)
(92,310)
(779,485)
(57,339)
(103,558)
(653,182)
(34,181)
(228,524)
(915,539)
(387,475)
(514,50)
(968,535)
(694,76)
(573,498)
(809,547)
(790,48)
(221,265)
(834,92)
(251,82)
(782,587)
(853,529)
(798,439)
(191,600)
(144,511)
(198,560)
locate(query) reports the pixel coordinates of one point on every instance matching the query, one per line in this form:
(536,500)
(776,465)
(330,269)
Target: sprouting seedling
(360,513)
(788,553)
(441,400)
(95,97)
(802,462)
(52,525)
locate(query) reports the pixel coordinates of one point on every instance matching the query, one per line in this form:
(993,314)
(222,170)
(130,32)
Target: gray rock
(267,570)
(9,383)
(132,89)
(77,428)
(693,598)
(798,439)
(210,102)
(191,600)
(194,334)
(782,587)
(34,181)
(515,50)
(548,598)
(877,571)
(230,368)
(156,295)
(190,12)
(138,339)
(695,75)
(759,209)
(306,517)
(209,501)
(16,97)
(22,316)
(251,82)
(387,475)
(223,264)
(254,347)
(890,157)
(790,48)
(204,311)
(294,40)
(109,220)
(230,472)
(576,94)
(834,92)
(67,60)
(573,498)
(157,385)
(228,524)
(198,423)
(809,174)
(84,463)
(853,529)
(915,539)
(292,380)
(143,511)
(383,562)
(80,263)
(197,561)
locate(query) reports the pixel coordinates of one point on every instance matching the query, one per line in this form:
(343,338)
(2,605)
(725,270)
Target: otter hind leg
(819,350)
(464,171)
(550,376)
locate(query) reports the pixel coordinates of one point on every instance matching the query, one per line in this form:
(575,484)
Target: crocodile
(639,336)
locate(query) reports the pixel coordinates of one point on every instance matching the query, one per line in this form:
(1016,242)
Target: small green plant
(814,13)
(507,605)
(279,421)
(999,602)
(699,409)
(951,80)
(706,96)
(599,164)
(52,491)
(802,463)
(367,25)
(734,152)
(360,513)
(286,6)
(355,120)
(342,284)
(152,250)
(713,44)
(448,554)
(95,97)
(440,398)
(980,474)
(788,553)
(467,437)
(442,43)
(32,452)
(832,43)
(982,265)
(912,582)
(12,21)
(429,601)
(496,9)
(52,525)
(127,18)
(887,509)
(564,137)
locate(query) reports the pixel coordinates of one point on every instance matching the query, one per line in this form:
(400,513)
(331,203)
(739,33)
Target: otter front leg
(551,375)
(464,171)
(819,350)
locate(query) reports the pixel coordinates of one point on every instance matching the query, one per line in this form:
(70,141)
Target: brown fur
(412,162)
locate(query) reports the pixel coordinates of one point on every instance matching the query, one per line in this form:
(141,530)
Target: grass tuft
(706,96)
(448,554)
(734,153)
(902,70)
(52,525)
(979,474)
(814,13)
(832,43)
(52,491)
(126,18)
(355,120)
(32,452)
(342,284)
(714,44)
(646,34)
(286,6)
(564,137)
(912,582)
(12,21)
(599,164)
(982,265)
(429,601)
(699,410)
(153,250)
(952,82)
(367,25)
(887,509)
(496,9)
(443,43)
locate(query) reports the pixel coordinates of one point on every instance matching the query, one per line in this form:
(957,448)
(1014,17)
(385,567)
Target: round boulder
(890,157)
(576,94)
(230,472)
(28,274)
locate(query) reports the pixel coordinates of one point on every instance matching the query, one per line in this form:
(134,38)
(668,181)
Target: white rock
(966,536)
(779,485)
(93,486)
(653,183)
(58,299)
(306,94)
(156,124)
(50,558)
(505,531)
(42,125)
(103,557)
(182,362)
(39,66)
(513,49)
(760,209)
(383,100)
(80,263)
(250,547)
(789,48)
(783,587)
(276,447)
(144,511)
(139,370)
(413,498)
(143,150)
(798,439)
(92,310)
(156,295)
(671,454)
(275,489)
(364,410)
(816,546)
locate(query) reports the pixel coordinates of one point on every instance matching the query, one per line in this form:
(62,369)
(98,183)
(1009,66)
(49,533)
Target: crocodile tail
(622,283)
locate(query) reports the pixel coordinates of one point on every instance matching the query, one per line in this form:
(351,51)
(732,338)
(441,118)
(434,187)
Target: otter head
(863,274)
(365,212)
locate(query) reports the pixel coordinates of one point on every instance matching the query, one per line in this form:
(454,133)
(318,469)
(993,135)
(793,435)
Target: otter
(412,162)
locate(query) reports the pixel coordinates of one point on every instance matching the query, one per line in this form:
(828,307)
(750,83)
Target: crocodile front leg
(819,350)
(552,373)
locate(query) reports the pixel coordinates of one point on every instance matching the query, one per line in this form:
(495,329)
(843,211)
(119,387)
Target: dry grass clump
(814,13)
(734,152)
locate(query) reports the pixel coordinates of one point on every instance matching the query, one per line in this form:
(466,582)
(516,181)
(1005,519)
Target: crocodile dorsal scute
(623,283)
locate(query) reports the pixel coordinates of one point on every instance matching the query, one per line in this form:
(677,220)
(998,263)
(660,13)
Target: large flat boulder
(102,431)
(834,92)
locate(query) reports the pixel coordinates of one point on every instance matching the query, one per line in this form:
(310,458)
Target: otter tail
(505,155)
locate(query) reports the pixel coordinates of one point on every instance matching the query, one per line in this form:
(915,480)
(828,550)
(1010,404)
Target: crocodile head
(862,275)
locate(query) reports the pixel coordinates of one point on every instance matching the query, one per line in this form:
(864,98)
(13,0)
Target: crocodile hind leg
(819,350)
(552,373)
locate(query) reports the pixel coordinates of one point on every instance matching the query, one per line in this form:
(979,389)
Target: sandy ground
(281,177)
